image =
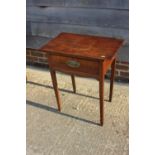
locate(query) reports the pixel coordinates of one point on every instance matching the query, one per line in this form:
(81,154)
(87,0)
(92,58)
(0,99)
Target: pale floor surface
(74,131)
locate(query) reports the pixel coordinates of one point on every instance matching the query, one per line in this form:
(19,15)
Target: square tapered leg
(73,83)
(101,92)
(112,79)
(55,85)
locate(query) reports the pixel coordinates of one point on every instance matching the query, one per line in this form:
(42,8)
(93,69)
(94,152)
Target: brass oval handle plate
(73,64)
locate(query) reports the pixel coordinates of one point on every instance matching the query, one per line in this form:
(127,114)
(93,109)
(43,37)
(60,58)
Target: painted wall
(47,18)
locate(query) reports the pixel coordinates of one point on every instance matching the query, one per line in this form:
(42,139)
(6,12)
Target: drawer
(75,66)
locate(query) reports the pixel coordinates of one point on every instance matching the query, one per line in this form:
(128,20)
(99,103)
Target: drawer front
(75,66)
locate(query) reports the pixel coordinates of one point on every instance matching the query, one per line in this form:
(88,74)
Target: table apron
(76,66)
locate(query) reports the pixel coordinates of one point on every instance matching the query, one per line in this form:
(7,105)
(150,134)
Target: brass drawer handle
(73,64)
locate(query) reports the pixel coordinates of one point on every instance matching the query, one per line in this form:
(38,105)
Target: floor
(74,131)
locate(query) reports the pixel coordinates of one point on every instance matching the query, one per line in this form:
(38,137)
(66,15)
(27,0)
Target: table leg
(73,83)
(101,94)
(112,79)
(55,85)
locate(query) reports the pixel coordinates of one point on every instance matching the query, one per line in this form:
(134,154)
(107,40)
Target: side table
(83,55)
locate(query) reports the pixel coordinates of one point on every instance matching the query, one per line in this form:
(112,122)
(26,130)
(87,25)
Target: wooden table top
(83,46)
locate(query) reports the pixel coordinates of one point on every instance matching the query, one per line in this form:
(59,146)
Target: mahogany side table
(83,55)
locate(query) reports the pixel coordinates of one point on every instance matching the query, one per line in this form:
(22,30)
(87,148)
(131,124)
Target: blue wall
(47,18)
